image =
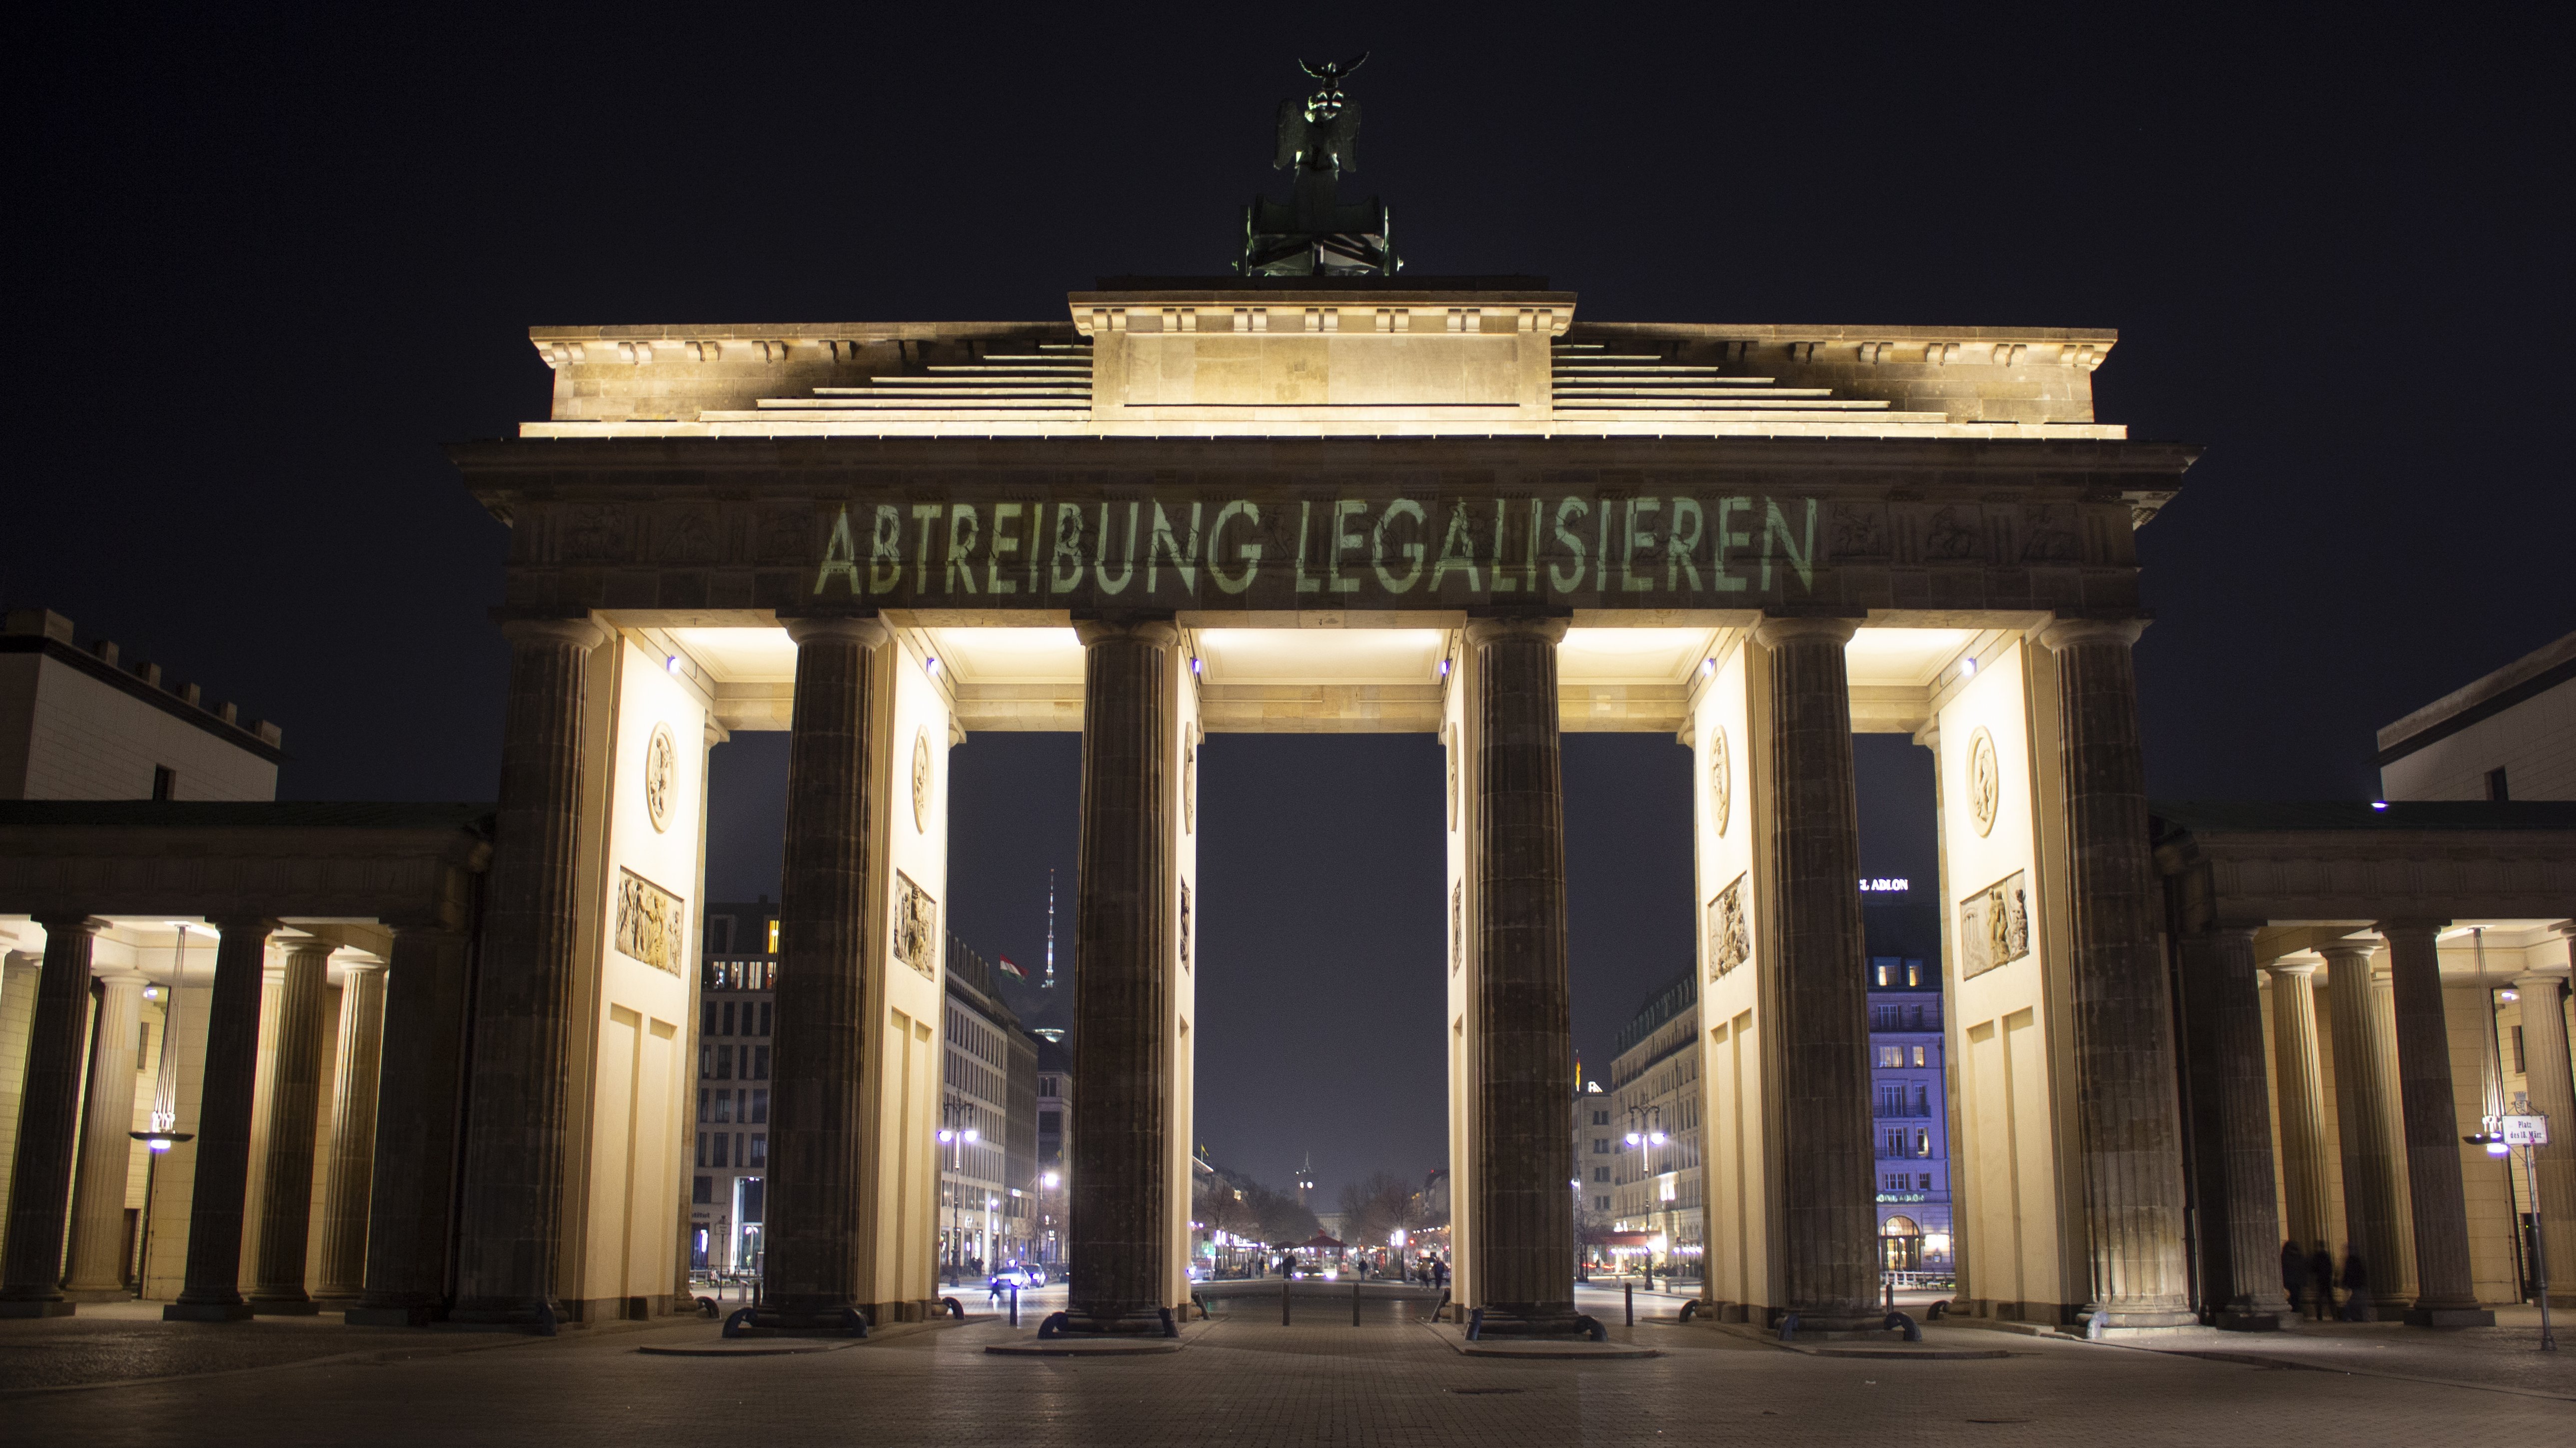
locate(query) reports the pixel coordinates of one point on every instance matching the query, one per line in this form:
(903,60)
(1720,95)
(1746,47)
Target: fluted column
(294,1117)
(511,1219)
(2128,1127)
(48,1124)
(819,1135)
(419,1112)
(212,1290)
(1524,1238)
(107,1144)
(1122,1060)
(2306,1166)
(2446,1293)
(2366,1118)
(2546,1080)
(349,1173)
(1820,983)
(2240,1228)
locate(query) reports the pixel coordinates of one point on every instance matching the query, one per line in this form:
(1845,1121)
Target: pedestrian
(2294,1273)
(2321,1280)
(2357,1306)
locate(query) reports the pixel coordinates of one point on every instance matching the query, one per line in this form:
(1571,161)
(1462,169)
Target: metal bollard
(1283,1300)
(1628,1293)
(1355,1304)
(1015,1304)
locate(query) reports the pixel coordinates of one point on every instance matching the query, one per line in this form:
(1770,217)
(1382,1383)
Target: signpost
(2502,1135)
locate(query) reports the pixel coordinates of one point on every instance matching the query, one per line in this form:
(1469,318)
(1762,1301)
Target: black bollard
(1355,1303)
(1628,1293)
(1283,1299)
(1015,1304)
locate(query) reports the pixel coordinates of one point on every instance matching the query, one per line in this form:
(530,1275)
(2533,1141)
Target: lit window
(1922,1143)
(1883,975)
(773,937)
(1891,1055)
(1918,1055)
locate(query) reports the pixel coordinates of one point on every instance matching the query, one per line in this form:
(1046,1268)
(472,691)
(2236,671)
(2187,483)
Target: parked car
(1023,1277)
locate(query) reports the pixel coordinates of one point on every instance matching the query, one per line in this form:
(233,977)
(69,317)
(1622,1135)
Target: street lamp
(955,1139)
(2530,1132)
(1645,1132)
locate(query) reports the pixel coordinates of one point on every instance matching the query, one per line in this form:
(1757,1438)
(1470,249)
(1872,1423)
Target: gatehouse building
(1457,507)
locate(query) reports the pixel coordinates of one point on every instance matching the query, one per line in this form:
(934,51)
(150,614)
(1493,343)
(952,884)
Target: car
(1022,1277)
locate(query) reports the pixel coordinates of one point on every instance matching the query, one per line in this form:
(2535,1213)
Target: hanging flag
(1012,970)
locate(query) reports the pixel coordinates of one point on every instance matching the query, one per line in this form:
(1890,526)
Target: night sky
(269,259)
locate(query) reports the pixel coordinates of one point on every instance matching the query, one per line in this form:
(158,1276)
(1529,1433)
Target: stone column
(2305,1164)
(294,1116)
(1820,982)
(347,1181)
(819,1133)
(419,1112)
(2446,1293)
(1122,1062)
(2240,1226)
(2367,1118)
(2127,1123)
(511,1218)
(107,1145)
(212,1291)
(1524,1054)
(31,1261)
(2546,1078)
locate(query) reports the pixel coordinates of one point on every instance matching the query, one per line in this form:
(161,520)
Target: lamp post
(1047,1183)
(1646,1132)
(2530,1132)
(954,1137)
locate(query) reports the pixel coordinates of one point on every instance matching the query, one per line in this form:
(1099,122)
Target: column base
(2238,1320)
(1544,1320)
(285,1307)
(377,1314)
(206,1312)
(1131,1322)
(537,1316)
(2135,1319)
(2449,1317)
(771,1321)
(21,1308)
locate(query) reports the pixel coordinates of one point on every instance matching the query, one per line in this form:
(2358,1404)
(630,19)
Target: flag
(1012,970)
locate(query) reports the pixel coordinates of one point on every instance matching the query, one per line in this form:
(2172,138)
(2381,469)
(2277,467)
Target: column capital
(2292,967)
(578,633)
(865,630)
(2334,950)
(124,975)
(2390,930)
(86,924)
(225,927)
(1545,628)
(2541,977)
(1145,628)
(307,946)
(2065,633)
(1774,629)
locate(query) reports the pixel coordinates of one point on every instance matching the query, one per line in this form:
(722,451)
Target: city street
(1241,1378)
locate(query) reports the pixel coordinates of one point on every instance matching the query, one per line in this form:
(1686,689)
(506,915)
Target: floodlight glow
(2379,804)
(970,1133)
(1632,1138)
(671,664)
(1050,1179)
(1968,667)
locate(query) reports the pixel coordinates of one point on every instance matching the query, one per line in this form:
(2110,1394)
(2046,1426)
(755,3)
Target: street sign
(2525,1130)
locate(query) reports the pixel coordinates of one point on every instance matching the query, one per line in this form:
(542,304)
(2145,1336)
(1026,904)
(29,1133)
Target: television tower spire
(1048,983)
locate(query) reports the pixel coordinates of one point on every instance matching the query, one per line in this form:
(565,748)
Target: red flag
(1013,969)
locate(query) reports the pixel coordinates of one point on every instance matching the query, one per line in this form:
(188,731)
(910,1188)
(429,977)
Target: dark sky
(266,259)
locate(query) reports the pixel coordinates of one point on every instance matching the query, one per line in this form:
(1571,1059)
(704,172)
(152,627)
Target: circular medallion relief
(1721,781)
(921,780)
(1190,789)
(661,766)
(1985,780)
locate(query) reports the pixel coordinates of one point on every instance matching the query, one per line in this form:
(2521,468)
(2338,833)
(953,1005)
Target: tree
(1378,1206)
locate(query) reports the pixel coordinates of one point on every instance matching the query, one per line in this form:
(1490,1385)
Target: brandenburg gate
(1318,503)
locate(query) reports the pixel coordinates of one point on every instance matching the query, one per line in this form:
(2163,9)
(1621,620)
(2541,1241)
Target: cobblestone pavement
(1240,1381)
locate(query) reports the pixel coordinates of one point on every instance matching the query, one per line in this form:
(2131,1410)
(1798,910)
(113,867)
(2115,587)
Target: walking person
(2357,1306)
(2321,1272)
(2294,1273)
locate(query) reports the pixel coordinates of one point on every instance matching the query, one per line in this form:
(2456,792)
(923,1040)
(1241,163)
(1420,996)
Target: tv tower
(1048,982)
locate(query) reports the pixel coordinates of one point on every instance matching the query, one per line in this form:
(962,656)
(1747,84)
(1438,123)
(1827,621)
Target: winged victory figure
(1316,233)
